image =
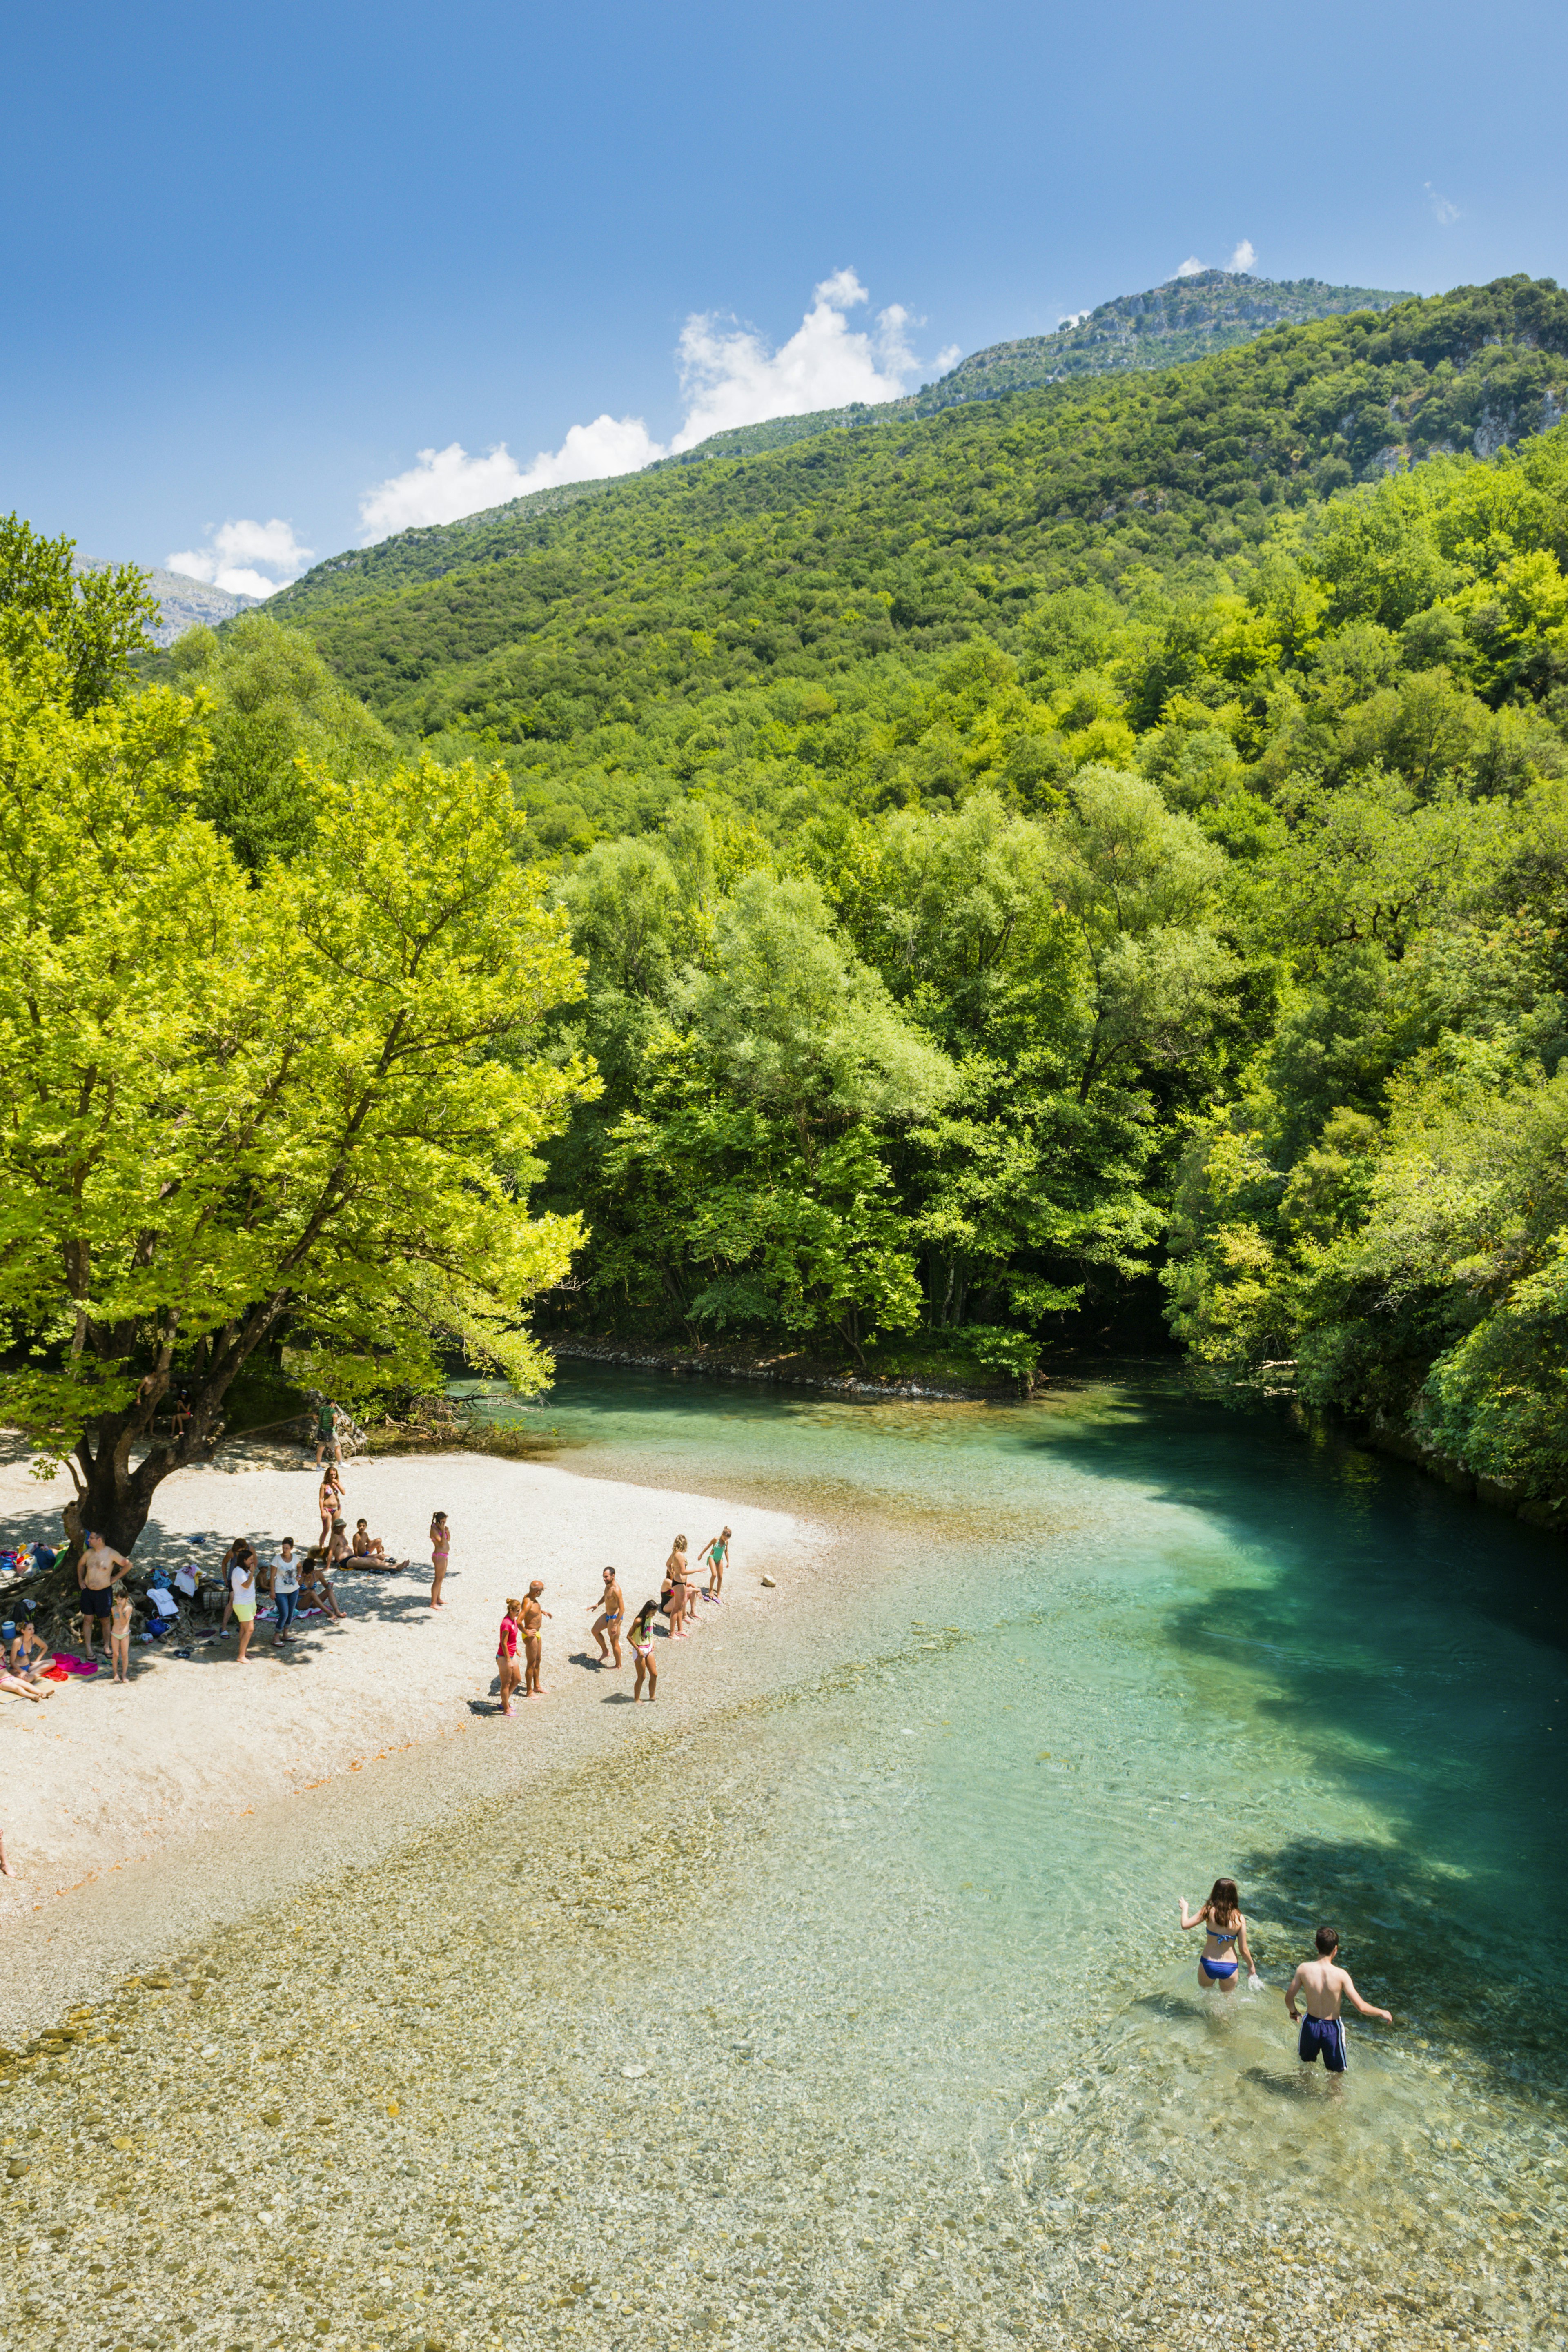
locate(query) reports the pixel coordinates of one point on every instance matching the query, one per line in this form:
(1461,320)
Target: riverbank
(789,1368)
(100,1778)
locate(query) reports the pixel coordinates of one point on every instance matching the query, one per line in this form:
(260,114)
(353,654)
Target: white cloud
(1444,213)
(729,377)
(1191,267)
(1073,319)
(447,483)
(1244,256)
(223,561)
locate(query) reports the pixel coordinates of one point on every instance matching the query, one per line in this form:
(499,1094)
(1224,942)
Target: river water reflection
(859,2017)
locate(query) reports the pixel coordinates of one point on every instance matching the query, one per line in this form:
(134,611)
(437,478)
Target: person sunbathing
(24,1687)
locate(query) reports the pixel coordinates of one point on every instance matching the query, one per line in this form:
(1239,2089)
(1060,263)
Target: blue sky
(257,260)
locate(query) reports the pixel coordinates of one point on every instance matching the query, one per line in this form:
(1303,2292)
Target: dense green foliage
(302,1099)
(1106,830)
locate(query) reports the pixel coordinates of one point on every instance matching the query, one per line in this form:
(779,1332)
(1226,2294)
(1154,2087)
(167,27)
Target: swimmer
(1221,1915)
(717,1555)
(506,1655)
(639,1633)
(611,1605)
(1322,1984)
(532,1620)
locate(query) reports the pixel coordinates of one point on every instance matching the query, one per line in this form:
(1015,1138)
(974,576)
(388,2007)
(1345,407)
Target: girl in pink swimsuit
(506,1655)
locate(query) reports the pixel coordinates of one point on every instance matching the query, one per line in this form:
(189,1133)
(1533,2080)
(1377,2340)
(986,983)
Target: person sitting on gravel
(315,1590)
(25,1654)
(369,1552)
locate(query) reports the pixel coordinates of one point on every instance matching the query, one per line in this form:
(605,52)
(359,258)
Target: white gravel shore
(98,1778)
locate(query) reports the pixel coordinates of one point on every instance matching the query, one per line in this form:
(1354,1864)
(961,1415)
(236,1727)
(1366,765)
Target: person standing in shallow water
(1322,1984)
(534,1617)
(441,1545)
(1221,1916)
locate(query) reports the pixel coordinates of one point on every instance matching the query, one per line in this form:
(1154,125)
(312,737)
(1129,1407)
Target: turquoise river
(859,2015)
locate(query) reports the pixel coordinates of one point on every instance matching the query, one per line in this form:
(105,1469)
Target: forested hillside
(1109,831)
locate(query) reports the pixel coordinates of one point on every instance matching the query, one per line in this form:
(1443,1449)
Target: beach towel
(70,1665)
(163,1603)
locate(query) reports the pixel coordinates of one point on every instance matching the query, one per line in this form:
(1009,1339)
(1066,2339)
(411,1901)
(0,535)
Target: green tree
(231,1110)
(90,621)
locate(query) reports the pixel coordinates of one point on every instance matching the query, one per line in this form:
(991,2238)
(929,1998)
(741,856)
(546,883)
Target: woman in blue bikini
(1221,1916)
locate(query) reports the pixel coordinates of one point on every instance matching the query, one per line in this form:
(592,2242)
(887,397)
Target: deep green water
(919,2051)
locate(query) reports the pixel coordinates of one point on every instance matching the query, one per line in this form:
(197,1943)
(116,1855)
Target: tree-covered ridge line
(1195,316)
(581,658)
(1185,319)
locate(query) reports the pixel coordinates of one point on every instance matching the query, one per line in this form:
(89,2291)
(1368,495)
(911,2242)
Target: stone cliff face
(189,604)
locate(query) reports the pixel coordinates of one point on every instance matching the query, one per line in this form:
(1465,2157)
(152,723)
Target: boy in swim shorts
(1322,1985)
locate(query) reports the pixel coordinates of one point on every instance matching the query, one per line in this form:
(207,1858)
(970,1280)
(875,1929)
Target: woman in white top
(285,1589)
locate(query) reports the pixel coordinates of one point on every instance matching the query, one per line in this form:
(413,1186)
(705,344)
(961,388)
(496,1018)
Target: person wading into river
(1221,1915)
(534,1617)
(1322,1984)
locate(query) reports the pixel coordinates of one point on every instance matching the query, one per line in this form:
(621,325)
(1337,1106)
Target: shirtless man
(1322,1985)
(534,1617)
(95,1572)
(611,1605)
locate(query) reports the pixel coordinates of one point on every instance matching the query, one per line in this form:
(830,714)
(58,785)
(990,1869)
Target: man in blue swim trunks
(1322,1985)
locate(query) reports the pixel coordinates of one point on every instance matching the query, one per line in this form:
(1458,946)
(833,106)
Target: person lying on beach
(534,1617)
(1221,1916)
(611,1605)
(506,1654)
(1322,1984)
(24,1687)
(315,1589)
(717,1555)
(119,1633)
(7,1869)
(639,1633)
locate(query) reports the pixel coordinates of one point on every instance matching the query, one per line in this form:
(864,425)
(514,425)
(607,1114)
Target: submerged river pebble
(859,2018)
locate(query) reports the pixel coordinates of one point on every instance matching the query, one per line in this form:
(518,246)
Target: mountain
(1186,319)
(189,604)
(538,625)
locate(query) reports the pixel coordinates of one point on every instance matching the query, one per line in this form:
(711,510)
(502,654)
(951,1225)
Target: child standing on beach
(506,1655)
(717,1555)
(441,1545)
(534,1617)
(119,1633)
(641,1639)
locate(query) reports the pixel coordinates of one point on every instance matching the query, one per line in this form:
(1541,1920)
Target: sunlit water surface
(861,2016)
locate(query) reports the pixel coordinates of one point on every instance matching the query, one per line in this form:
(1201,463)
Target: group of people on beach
(522,1627)
(1321,1985)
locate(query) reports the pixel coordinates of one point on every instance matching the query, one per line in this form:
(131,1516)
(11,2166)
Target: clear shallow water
(919,2051)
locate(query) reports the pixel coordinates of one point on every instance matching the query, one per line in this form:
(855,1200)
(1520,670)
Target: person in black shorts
(95,1572)
(1322,1985)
